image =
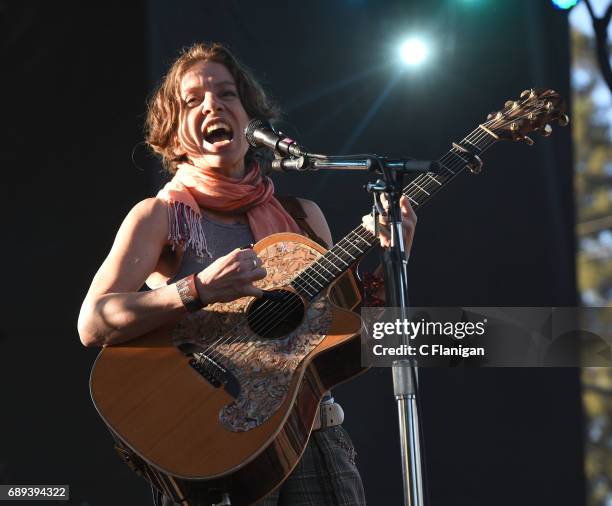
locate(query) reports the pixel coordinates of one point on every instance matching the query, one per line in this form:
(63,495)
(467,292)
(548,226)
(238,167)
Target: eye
(192,101)
(229,93)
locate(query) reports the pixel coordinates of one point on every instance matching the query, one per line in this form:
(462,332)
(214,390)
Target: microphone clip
(290,164)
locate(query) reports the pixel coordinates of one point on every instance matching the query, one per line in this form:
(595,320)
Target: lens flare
(414,51)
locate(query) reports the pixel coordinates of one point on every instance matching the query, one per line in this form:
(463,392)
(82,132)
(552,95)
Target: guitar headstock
(534,111)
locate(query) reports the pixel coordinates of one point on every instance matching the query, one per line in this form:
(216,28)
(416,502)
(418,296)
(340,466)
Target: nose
(211,103)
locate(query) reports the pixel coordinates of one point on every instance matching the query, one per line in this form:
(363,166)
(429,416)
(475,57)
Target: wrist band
(188,293)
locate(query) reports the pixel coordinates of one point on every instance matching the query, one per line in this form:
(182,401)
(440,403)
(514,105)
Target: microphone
(260,133)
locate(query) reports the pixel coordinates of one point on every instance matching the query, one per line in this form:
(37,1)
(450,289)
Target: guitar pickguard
(263,367)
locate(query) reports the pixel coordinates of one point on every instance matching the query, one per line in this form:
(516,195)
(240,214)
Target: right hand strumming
(231,277)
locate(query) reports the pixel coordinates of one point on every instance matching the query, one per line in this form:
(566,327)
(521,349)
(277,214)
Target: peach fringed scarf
(192,188)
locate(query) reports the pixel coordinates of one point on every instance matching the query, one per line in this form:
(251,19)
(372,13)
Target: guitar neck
(357,243)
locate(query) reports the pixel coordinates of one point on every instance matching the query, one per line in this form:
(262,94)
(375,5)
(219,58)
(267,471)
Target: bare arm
(114,311)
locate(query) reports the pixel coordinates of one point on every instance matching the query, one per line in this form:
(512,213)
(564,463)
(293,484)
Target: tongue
(218,136)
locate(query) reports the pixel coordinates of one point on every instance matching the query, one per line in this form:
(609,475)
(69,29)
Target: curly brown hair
(164,106)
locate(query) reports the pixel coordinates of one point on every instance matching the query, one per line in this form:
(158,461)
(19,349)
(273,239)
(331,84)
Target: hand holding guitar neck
(409,221)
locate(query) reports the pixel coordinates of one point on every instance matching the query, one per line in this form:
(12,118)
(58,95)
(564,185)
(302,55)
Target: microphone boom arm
(372,163)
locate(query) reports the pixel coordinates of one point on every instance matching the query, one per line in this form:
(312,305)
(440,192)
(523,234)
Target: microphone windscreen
(249,131)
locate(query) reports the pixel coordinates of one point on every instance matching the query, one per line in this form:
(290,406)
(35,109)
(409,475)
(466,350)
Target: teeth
(216,126)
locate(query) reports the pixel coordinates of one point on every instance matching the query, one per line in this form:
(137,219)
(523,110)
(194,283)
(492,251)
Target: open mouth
(218,133)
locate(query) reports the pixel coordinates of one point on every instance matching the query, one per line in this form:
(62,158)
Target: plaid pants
(325,476)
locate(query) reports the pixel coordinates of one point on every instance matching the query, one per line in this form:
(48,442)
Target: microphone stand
(404,371)
(405,379)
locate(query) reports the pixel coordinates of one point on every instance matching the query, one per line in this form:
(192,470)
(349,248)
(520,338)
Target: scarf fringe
(185,229)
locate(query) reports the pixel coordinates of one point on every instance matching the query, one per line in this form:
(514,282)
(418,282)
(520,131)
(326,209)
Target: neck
(235,171)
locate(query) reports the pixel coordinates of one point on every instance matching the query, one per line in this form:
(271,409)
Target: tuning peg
(528,140)
(514,127)
(563,120)
(508,104)
(531,116)
(528,93)
(499,115)
(548,105)
(490,115)
(546,130)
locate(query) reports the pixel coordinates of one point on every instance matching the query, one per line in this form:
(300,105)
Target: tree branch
(600,25)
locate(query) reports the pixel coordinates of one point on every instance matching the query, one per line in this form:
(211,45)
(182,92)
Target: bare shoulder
(150,212)
(316,220)
(136,250)
(146,222)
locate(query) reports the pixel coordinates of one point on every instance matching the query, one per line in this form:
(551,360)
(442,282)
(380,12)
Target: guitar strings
(412,190)
(415,190)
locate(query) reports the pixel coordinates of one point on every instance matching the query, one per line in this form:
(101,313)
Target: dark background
(74,84)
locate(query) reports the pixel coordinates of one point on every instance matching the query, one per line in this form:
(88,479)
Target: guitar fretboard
(357,243)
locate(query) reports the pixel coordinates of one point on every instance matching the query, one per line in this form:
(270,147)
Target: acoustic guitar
(224,402)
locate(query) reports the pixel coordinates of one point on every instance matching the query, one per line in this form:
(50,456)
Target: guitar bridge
(215,374)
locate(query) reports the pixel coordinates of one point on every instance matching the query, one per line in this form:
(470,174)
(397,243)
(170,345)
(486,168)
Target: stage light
(564,4)
(414,51)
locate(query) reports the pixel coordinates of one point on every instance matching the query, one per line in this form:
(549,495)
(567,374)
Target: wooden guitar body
(195,430)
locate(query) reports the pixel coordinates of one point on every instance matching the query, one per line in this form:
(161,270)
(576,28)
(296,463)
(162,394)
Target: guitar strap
(293,206)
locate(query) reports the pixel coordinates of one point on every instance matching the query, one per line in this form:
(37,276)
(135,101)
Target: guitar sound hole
(276,314)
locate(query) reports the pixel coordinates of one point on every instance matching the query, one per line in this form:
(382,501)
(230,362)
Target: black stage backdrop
(75,80)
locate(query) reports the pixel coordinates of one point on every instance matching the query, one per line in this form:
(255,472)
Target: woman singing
(189,243)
